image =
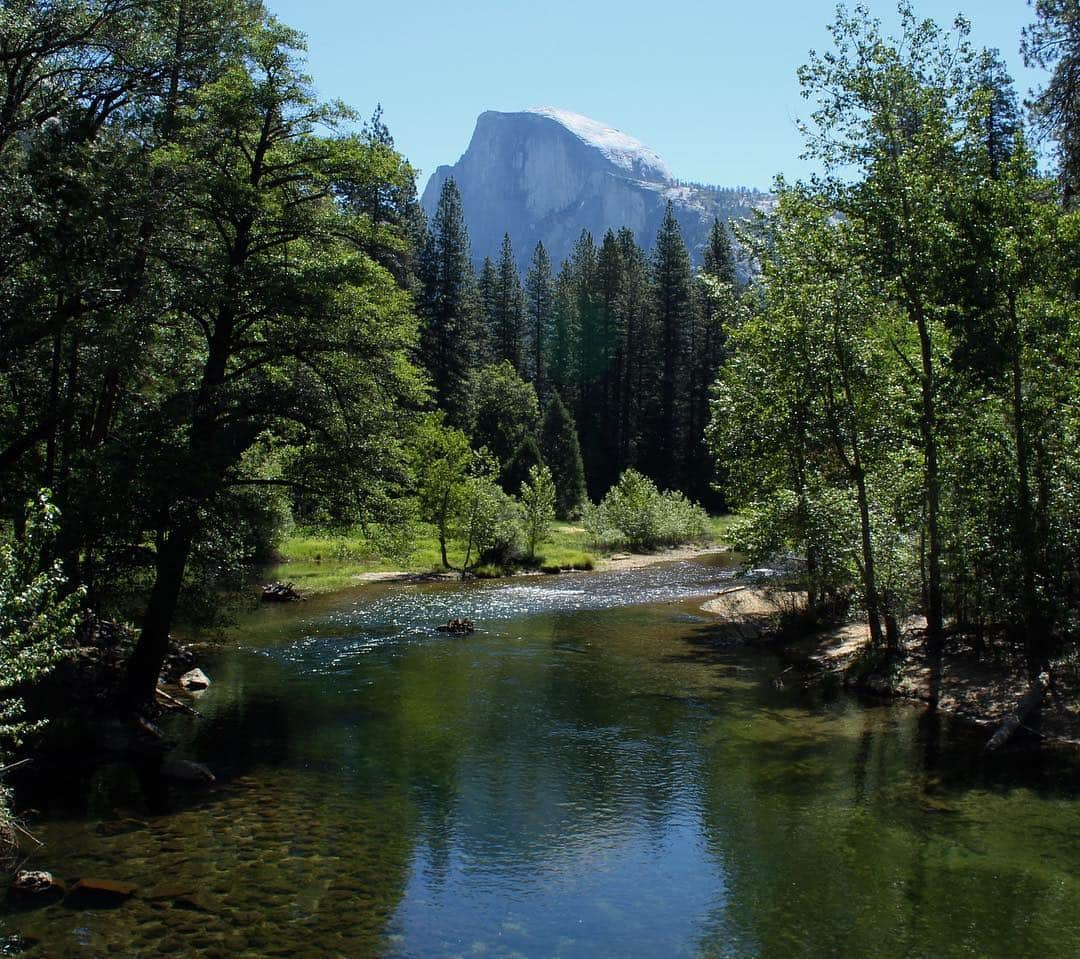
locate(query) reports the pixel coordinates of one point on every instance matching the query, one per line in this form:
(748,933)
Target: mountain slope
(546,174)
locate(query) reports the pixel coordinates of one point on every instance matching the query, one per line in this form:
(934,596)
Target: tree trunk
(1029,703)
(150,651)
(1035,629)
(935,612)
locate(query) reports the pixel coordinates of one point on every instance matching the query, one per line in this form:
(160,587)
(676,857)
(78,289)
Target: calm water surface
(588,775)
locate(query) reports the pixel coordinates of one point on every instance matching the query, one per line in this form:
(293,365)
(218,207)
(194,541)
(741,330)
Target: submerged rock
(99,894)
(184,770)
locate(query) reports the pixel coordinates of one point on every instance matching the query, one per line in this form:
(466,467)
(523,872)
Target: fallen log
(174,703)
(458,627)
(1029,702)
(281,593)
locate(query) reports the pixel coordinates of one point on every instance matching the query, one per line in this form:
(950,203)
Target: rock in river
(194,679)
(35,888)
(99,894)
(184,770)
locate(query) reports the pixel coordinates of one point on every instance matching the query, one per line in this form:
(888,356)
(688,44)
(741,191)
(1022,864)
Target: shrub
(538,506)
(487,571)
(636,514)
(38,614)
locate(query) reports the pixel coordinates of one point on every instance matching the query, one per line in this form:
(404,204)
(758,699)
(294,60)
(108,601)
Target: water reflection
(581,778)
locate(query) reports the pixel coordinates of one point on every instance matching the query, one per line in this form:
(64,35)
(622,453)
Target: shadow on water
(589,774)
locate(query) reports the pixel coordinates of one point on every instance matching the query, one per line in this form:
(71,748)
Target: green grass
(320,561)
(720,527)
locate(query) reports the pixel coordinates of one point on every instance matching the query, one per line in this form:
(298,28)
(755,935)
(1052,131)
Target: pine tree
(671,284)
(486,294)
(562,359)
(642,354)
(526,457)
(540,302)
(450,340)
(508,320)
(1001,116)
(719,257)
(562,454)
(1053,43)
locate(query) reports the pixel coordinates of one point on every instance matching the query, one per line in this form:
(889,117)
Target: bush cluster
(634,513)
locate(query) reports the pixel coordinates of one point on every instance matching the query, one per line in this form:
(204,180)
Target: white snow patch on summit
(620,148)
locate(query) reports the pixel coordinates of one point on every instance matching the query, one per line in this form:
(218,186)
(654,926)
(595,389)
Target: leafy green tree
(487,524)
(282,322)
(538,506)
(562,455)
(501,411)
(441,463)
(39,614)
(888,111)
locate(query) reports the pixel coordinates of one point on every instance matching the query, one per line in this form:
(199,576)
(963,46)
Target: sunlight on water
(588,775)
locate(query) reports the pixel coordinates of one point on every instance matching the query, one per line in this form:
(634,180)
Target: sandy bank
(970,688)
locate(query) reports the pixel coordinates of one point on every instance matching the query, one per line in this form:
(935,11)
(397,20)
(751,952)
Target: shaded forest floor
(979,686)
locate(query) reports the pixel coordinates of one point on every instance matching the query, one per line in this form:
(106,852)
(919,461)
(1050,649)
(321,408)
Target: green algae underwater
(590,774)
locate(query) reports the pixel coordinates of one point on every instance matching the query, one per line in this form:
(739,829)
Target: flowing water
(590,774)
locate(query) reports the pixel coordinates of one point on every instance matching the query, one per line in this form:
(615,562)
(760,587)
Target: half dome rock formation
(546,174)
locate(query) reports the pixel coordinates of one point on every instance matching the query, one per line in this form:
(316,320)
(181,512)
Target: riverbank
(322,562)
(972,688)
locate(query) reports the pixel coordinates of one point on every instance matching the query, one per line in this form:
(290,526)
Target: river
(587,775)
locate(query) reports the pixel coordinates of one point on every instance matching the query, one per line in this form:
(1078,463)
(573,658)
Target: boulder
(194,679)
(99,894)
(35,888)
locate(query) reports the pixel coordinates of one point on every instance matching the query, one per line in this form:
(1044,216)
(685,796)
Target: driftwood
(176,703)
(21,762)
(457,626)
(281,593)
(1029,702)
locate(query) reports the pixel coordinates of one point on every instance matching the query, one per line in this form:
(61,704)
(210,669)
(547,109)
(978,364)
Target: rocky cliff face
(547,174)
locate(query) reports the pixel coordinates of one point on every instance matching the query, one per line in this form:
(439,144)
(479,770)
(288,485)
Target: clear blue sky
(709,85)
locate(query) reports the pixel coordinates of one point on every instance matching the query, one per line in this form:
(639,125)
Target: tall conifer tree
(562,454)
(671,284)
(508,327)
(540,306)
(450,341)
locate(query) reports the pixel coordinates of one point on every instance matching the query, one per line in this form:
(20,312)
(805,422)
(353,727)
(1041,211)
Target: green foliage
(562,455)
(487,524)
(38,614)
(1053,42)
(452,339)
(459,495)
(890,413)
(517,471)
(501,410)
(538,506)
(634,512)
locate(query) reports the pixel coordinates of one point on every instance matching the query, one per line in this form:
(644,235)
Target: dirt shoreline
(971,689)
(616,561)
